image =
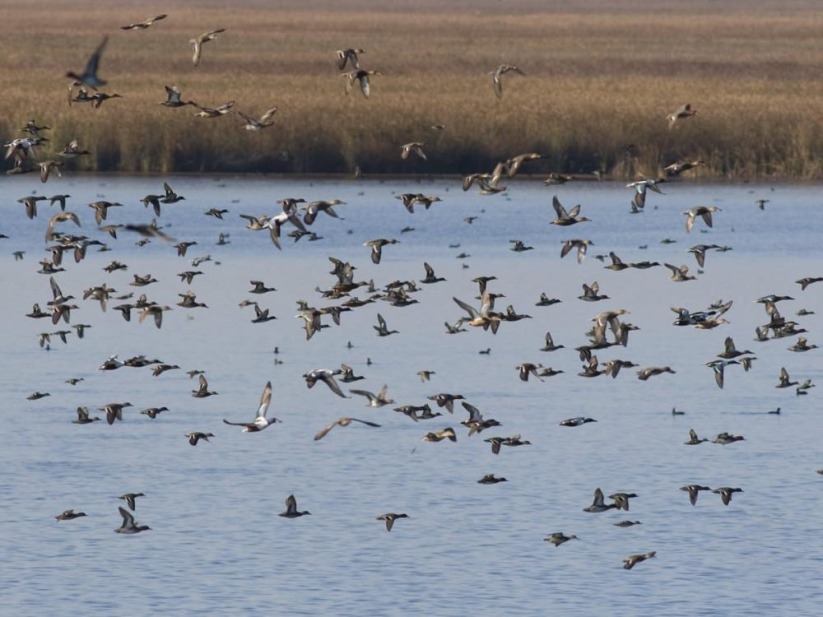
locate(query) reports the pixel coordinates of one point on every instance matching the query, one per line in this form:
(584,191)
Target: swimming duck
(260,421)
(490,478)
(68,515)
(627,523)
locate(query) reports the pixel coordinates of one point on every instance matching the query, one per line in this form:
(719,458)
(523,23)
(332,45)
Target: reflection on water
(216,542)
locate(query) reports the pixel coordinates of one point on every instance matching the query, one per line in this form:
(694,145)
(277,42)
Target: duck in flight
(345,421)
(89,76)
(291,509)
(129,526)
(198,42)
(260,422)
(144,24)
(390,517)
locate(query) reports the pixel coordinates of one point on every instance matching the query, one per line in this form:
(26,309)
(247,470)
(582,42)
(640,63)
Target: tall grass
(598,78)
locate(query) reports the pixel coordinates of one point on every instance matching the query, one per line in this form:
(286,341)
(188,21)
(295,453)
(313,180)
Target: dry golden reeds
(596,82)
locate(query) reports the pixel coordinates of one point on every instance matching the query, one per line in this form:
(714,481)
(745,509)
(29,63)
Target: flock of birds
(609,330)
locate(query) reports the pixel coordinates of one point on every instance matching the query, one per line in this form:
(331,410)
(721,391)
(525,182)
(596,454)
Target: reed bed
(598,79)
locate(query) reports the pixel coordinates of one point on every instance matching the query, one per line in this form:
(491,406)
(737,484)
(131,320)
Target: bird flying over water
(260,422)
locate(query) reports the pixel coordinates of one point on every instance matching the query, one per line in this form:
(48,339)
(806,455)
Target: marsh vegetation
(598,79)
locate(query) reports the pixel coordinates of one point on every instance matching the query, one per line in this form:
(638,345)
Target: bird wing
(559,209)
(366,393)
(366,422)
(469,309)
(325,431)
(332,384)
(94,59)
(128,519)
(265,399)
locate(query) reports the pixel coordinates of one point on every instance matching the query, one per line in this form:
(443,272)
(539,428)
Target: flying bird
(345,421)
(198,42)
(89,76)
(260,422)
(144,24)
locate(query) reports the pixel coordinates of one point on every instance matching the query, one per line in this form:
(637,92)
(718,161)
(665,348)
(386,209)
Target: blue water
(217,545)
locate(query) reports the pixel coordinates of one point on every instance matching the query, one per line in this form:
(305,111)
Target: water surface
(217,545)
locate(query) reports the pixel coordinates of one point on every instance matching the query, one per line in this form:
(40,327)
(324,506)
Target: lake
(217,544)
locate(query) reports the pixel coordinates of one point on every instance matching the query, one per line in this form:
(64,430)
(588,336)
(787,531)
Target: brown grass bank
(599,76)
